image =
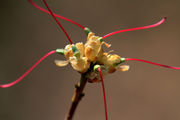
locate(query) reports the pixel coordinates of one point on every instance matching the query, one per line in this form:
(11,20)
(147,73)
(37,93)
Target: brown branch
(78,94)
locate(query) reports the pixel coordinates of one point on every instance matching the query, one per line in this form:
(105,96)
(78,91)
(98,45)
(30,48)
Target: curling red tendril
(27,72)
(61,17)
(104,94)
(157,64)
(138,28)
(57,21)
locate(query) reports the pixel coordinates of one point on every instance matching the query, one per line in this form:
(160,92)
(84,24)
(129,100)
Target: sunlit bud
(76,52)
(109,60)
(80,64)
(81,48)
(112,59)
(68,51)
(92,47)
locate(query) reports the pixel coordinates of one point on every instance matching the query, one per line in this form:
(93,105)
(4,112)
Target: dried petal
(122,68)
(61,63)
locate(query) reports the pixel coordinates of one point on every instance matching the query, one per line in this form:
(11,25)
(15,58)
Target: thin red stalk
(27,72)
(166,66)
(57,21)
(104,94)
(138,28)
(61,17)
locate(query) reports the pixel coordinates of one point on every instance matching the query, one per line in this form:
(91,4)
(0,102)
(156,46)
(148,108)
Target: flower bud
(80,64)
(109,60)
(68,51)
(93,47)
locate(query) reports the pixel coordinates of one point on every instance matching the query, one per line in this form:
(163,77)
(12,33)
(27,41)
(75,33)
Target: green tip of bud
(121,61)
(87,30)
(60,51)
(100,39)
(75,51)
(74,48)
(96,68)
(102,67)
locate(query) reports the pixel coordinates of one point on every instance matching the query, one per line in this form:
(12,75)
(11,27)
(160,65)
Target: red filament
(104,94)
(157,64)
(57,21)
(138,28)
(61,17)
(27,72)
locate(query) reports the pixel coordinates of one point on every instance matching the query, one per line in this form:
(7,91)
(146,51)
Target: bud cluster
(89,56)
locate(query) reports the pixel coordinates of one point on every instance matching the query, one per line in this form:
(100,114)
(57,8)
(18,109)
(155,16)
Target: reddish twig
(78,94)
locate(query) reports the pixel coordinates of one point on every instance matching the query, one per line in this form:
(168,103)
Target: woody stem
(77,96)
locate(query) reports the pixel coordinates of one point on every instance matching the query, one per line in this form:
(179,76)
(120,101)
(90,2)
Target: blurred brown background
(146,92)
